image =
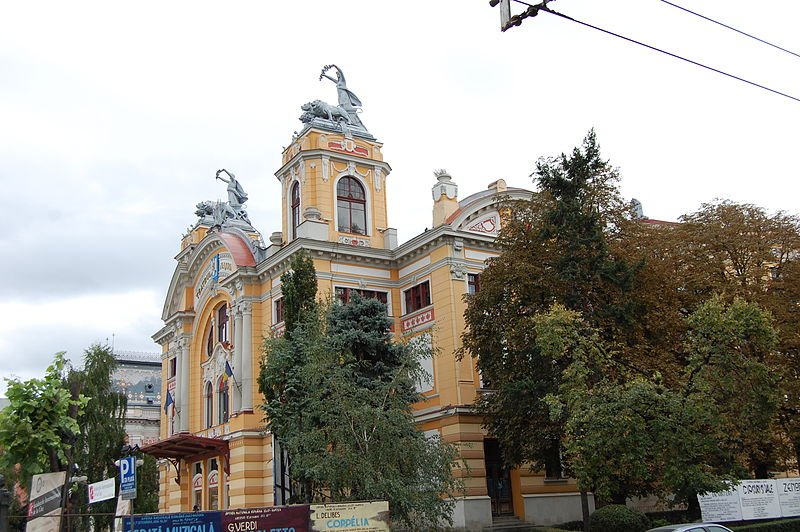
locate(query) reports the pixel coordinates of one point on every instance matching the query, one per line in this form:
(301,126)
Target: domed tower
(333,175)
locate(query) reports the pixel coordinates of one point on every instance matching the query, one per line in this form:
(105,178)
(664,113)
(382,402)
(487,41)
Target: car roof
(680,527)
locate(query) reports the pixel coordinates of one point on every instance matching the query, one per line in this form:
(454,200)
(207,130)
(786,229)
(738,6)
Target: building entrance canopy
(189,448)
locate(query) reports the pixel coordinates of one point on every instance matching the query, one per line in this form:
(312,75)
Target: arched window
(351,206)
(222,394)
(222,323)
(209,405)
(295,209)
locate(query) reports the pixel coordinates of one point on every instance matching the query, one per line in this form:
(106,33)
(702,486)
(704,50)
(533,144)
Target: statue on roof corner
(219,212)
(345,115)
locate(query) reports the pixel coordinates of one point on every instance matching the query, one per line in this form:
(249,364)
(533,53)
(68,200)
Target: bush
(785,525)
(571,525)
(618,518)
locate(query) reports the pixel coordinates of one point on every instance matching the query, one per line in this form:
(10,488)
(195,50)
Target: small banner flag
(228,369)
(168,402)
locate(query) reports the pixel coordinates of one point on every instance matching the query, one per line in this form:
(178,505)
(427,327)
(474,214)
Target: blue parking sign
(127,477)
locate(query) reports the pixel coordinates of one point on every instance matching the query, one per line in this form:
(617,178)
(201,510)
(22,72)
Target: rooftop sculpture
(217,213)
(342,117)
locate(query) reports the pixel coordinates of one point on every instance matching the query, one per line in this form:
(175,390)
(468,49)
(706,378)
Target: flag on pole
(228,369)
(168,402)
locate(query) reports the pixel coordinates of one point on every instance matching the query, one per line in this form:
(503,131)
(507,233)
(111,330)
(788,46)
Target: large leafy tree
(102,431)
(345,413)
(39,426)
(556,248)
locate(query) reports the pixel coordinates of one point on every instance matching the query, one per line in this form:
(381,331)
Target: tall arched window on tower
(209,405)
(351,206)
(295,209)
(222,324)
(222,393)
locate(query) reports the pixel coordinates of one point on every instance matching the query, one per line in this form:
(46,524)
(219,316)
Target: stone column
(183,384)
(247,356)
(237,359)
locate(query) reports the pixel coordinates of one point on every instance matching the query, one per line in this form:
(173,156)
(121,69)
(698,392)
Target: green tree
(37,427)
(339,393)
(299,286)
(101,434)
(555,248)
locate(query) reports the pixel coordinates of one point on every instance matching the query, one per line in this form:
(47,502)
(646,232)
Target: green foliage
(338,396)
(555,249)
(618,518)
(728,347)
(299,286)
(102,431)
(147,489)
(36,428)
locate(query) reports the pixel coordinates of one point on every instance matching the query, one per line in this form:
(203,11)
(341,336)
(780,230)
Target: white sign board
(789,496)
(44,510)
(721,506)
(102,491)
(759,499)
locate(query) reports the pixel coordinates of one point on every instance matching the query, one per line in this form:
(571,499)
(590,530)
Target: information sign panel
(127,477)
(759,499)
(789,496)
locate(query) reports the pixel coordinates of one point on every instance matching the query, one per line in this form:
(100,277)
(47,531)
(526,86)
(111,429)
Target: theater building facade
(225,297)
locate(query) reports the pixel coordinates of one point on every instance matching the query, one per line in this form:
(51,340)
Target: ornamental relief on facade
(487,224)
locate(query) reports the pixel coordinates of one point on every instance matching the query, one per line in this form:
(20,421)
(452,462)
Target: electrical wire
(731,28)
(543,7)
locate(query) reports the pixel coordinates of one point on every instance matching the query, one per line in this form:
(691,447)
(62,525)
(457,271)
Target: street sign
(127,477)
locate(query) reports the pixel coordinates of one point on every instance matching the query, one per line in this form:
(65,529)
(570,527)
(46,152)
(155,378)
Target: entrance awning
(189,448)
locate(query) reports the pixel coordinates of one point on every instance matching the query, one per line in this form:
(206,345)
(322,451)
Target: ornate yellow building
(225,297)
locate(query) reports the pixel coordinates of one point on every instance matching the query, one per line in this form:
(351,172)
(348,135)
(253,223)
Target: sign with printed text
(283,518)
(102,491)
(789,496)
(753,499)
(721,506)
(351,517)
(127,477)
(759,499)
(44,510)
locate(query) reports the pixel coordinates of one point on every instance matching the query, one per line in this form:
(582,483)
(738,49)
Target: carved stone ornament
(378,177)
(218,213)
(458,270)
(312,213)
(326,168)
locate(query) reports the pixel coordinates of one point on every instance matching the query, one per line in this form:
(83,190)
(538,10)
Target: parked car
(692,527)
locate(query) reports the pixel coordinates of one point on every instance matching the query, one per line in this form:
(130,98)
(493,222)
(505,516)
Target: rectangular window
(422,346)
(173,367)
(279,311)
(344,294)
(417,297)
(473,283)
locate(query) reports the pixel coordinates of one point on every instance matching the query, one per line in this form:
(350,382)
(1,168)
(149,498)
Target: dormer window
(295,208)
(351,206)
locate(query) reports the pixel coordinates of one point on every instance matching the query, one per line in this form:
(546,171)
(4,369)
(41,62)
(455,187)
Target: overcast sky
(114,118)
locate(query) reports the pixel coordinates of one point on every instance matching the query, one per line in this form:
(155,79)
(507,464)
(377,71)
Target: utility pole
(508,21)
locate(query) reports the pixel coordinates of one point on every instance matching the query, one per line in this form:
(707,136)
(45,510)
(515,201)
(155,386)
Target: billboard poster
(194,521)
(721,506)
(759,499)
(288,518)
(285,518)
(102,491)
(351,517)
(789,496)
(44,512)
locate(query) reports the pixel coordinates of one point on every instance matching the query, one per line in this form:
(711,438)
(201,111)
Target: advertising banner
(721,506)
(759,499)
(753,499)
(44,512)
(789,496)
(351,517)
(102,491)
(284,518)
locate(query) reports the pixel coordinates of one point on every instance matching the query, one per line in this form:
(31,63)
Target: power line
(533,10)
(731,28)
